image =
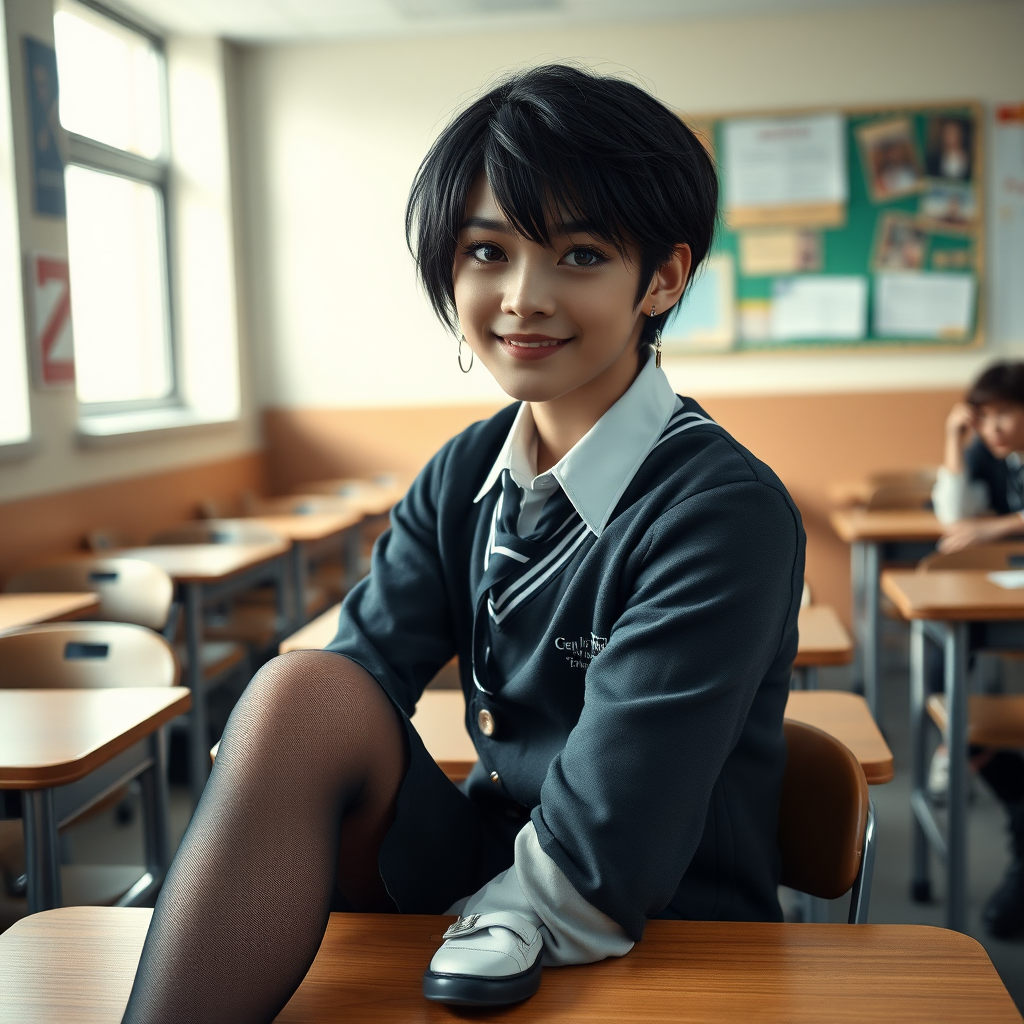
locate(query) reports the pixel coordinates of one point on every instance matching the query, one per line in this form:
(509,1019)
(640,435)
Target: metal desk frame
(45,811)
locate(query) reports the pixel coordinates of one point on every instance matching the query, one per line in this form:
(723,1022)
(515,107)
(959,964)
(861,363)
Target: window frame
(98,156)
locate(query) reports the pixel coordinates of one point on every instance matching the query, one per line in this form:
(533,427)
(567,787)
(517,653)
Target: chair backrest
(218,531)
(915,494)
(129,589)
(982,556)
(823,815)
(107,539)
(85,655)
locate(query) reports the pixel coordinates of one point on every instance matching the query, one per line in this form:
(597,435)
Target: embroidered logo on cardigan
(580,651)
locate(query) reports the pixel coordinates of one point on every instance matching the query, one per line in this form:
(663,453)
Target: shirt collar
(596,471)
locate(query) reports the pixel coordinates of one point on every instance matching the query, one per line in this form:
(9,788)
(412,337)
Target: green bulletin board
(891,256)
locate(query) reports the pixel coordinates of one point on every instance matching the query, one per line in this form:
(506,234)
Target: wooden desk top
(52,737)
(440,720)
(846,717)
(854,524)
(315,635)
(961,595)
(310,526)
(823,638)
(30,609)
(205,563)
(76,965)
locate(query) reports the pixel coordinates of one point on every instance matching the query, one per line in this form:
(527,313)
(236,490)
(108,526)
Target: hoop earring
(657,341)
(472,356)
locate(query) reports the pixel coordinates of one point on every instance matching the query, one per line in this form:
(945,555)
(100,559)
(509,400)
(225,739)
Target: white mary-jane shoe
(486,960)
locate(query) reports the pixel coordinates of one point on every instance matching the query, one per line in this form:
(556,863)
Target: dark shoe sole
(470,990)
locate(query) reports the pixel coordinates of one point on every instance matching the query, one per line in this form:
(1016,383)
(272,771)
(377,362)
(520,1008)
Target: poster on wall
(53,351)
(44,125)
(1008,222)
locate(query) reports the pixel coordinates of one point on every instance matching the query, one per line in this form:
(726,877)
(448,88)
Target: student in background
(979,497)
(979,493)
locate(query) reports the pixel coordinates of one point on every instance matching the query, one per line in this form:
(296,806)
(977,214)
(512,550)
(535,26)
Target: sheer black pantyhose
(300,799)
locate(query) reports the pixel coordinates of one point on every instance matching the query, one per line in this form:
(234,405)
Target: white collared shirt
(596,471)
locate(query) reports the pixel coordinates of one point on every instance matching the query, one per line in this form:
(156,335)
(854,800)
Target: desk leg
(857,596)
(299,583)
(157,806)
(872,571)
(956,743)
(199,740)
(42,858)
(920,886)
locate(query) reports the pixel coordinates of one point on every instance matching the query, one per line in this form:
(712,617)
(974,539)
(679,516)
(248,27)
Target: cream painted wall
(335,132)
(57,459)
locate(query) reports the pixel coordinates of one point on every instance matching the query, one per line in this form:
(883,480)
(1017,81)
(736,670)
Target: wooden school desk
(875,537)
(823,641)
(77,965)
(940,606)
(64,748)
(31,609)
(310,535)
(374,497)
(206,573)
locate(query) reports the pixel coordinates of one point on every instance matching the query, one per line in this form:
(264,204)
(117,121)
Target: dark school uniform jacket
(1002,477)
(638,695)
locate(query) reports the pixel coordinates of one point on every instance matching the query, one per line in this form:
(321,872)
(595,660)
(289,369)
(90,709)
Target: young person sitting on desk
(979,495)
(619,578)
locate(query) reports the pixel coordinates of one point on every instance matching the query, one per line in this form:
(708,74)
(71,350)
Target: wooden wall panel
(809,440)
(34,528)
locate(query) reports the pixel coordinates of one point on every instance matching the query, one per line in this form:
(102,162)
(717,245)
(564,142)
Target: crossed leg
(301,797)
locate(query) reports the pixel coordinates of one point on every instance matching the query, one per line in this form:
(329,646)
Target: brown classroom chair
(994,720)
(90,655)
(826,820)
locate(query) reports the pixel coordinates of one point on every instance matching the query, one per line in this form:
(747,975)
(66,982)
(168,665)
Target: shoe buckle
(464,924)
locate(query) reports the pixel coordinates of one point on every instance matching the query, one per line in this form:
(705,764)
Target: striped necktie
(517,569)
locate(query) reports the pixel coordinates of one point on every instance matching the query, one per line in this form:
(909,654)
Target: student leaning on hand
(979,493)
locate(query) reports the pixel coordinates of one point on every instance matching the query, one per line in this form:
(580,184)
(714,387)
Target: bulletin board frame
(860,245)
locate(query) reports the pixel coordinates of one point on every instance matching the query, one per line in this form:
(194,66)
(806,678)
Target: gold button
(485,720)
(495,777)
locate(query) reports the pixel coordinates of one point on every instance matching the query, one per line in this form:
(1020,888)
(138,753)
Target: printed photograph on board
(949,148)
(900,243)
(948,207)
(892,163)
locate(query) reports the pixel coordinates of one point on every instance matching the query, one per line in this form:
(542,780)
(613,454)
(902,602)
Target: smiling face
(546,320)
(1001,427)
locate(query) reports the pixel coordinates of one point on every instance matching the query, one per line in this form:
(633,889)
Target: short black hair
(587,147)
(1001,382)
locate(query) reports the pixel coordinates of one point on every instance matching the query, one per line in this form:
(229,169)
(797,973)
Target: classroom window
(112,87)
(15,422)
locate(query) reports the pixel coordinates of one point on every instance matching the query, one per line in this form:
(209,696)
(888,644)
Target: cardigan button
(495,778)
(486,723)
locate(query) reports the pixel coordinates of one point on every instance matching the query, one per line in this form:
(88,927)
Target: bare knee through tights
(300,799)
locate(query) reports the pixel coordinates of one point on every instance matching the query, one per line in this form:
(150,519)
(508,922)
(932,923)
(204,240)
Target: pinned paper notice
(819,307)
(1008,579)
(779,251)
(924,305)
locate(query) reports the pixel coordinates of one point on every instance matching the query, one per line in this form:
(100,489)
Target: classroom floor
(103,840)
